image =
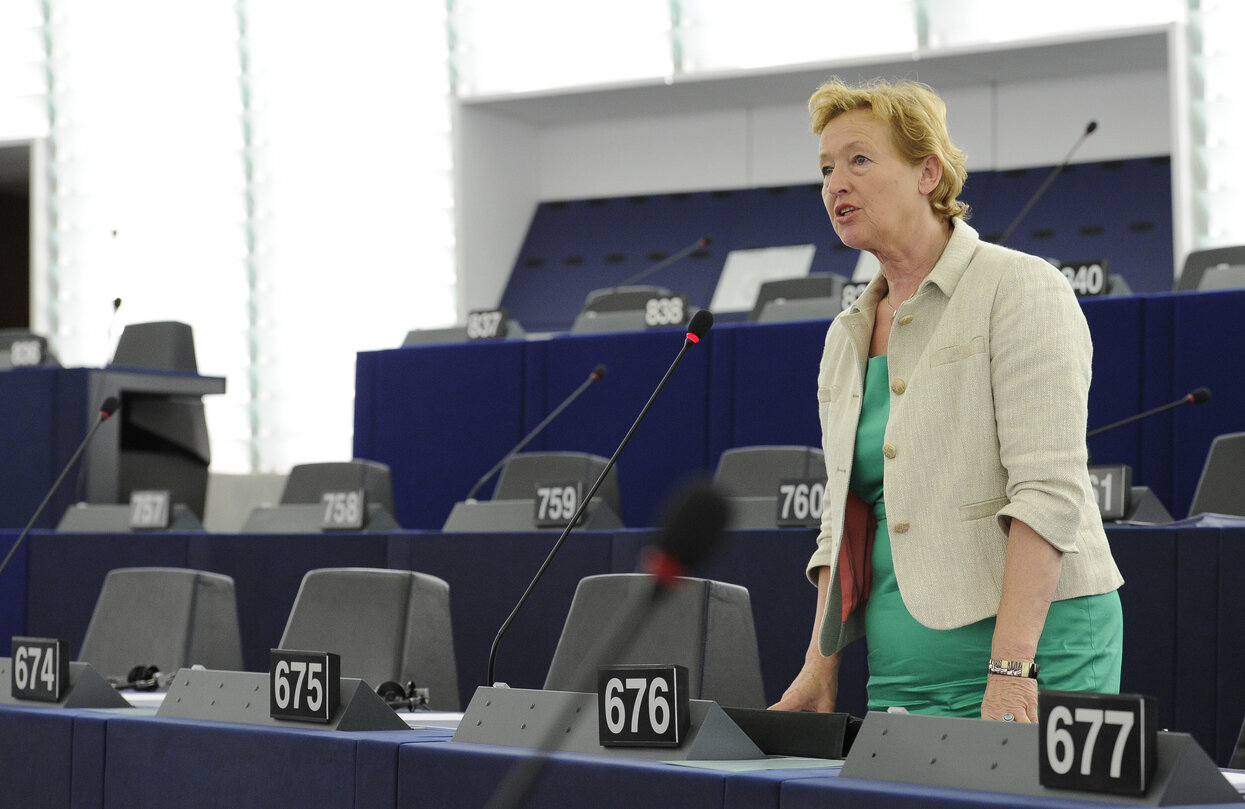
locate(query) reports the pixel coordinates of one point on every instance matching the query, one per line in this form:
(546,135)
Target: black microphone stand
(1194,397)
(701,323)
(106,410)
(1050,178)
(597,375)
(666,262)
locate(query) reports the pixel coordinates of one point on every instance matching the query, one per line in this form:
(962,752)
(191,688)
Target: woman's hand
(815,688)
(1010,695)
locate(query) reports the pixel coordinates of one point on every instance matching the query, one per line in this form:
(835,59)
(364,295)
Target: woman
(953,398)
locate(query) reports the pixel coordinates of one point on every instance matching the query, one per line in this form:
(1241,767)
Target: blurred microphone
(1193,397)
(597,375)
(701,322)
(692,528)
(703,241)
(106,410)
(1050,178)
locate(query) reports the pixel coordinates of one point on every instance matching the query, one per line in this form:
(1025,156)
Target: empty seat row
(394,626)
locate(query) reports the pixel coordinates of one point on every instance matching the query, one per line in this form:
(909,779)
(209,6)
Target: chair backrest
(620,299)
(1201,271)
(165,345)
(1221,488)
(521,474)
(814,287)
(755,471)
(387,625)
(308,482)
(703,624)
(171,618)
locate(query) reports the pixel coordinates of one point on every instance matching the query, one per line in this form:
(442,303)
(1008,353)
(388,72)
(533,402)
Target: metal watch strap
(1013,668)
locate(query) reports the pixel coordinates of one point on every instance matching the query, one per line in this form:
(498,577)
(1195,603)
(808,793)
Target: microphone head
(1198,396)
(116,304)
(702,321)
(109,407)
(598,373)
(1090,127)
(693,523)
(705,241)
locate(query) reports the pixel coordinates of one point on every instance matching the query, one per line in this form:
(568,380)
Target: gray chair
(616,309)
(1221,488)
(1213,268)
(749,477)
(171,618)
(308,482)
(704,625)
(521,474)
(300,509)
(387,625)
(815,296)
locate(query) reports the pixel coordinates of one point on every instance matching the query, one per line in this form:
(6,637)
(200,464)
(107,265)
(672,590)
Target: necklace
(894,311)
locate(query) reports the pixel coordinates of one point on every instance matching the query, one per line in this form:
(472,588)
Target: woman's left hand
(1010,695)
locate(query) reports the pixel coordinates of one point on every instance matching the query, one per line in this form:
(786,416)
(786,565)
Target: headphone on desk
(141,678)
(402,697)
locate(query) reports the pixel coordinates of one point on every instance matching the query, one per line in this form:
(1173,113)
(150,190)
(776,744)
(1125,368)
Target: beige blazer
(989,375)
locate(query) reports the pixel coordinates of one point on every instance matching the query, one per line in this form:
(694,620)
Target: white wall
(513,164)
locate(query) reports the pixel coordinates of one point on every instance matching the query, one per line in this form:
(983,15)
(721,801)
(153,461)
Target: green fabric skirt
(944,671)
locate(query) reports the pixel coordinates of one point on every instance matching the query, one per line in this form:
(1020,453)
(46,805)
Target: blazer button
(899,386)
(889,450)
(901,526)
(905,320)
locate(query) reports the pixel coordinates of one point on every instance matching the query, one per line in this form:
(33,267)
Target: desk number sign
(665,311)
(40,669)
(343,511)
(303,686)
(1113,487)
(556,503)
(1096,742)
(642,706)
(1088,278)
(800,501)
(486,324)
(149,509)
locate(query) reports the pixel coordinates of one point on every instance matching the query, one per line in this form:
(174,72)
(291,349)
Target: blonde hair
(918,123)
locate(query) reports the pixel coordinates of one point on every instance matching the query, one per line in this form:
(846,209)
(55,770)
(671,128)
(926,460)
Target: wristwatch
(1013,668)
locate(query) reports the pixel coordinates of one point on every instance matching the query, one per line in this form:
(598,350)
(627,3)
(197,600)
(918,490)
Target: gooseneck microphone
(597,375)
(692,528)
(701,322)
(703,241)
(1050,178)
(1192,397)
(105,412)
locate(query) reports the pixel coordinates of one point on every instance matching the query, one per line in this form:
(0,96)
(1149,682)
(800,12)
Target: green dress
(944,671)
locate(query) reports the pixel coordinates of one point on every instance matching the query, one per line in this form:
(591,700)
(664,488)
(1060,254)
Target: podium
(45,413)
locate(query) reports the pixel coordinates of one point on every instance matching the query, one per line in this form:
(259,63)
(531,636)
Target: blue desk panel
(1184,613)
(431,416)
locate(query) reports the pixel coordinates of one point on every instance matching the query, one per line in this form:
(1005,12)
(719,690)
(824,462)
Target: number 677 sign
(1096,742)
